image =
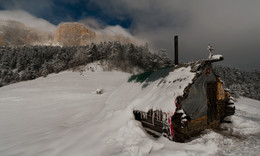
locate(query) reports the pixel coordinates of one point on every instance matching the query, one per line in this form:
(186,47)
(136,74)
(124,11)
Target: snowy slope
(61,115)
(157,92)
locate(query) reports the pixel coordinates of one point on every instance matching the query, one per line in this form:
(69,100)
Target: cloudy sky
(231,26)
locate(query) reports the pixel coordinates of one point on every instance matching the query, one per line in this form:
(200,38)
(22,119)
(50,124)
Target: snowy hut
(179,102)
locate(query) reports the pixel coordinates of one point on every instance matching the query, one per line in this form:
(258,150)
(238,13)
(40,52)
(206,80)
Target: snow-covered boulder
(99,91)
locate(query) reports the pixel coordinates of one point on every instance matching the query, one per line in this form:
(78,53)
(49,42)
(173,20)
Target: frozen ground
(62,115)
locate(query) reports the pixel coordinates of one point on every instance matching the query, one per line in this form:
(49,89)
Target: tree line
(240,83)
(29,62)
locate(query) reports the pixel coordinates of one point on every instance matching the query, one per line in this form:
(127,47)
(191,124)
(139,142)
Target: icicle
(153,119)
(164,117)
(143,115)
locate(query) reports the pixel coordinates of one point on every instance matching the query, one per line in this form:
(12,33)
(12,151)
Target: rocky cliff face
(13,33)
(73,34)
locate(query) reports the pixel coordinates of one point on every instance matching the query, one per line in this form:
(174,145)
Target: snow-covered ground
(62,115)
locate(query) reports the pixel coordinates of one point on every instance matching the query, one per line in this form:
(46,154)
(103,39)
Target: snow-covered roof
(159,89)
(215,58)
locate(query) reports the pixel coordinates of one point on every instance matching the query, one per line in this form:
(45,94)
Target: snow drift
(62,115)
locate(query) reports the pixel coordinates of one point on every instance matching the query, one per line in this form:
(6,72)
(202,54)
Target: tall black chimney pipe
(176,59)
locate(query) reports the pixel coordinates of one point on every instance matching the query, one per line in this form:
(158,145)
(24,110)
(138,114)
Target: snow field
(62,115)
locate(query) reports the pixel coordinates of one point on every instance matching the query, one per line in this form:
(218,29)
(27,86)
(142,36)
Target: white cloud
(110,33)
(28,20)
(104,32)
(93,23)
(115,30)
(233,26)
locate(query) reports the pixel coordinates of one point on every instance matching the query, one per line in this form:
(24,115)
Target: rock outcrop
(13,33)
(73,34)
